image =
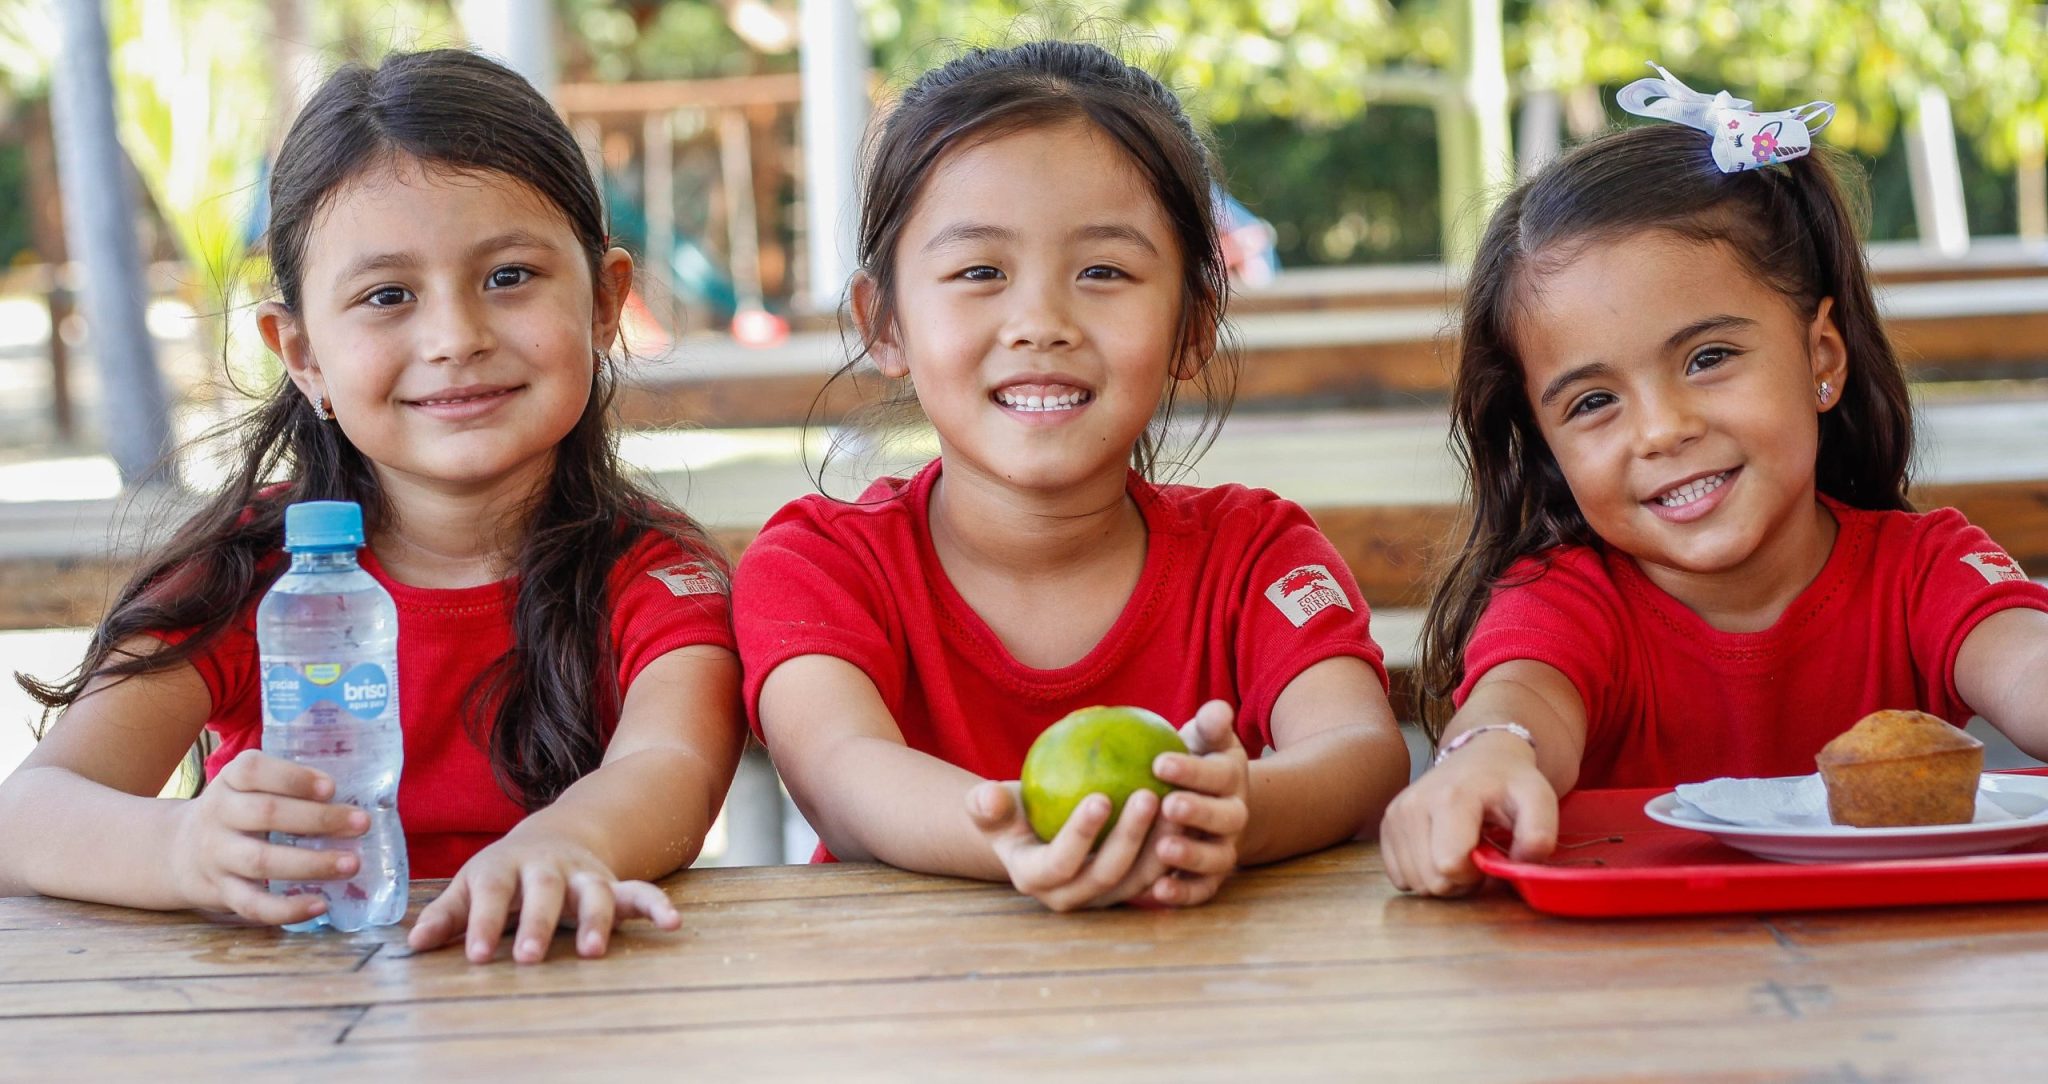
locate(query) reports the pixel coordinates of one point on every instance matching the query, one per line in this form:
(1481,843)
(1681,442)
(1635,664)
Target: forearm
(1558,737)
(871,798)
(644,815)
(70,837)
(1323,789)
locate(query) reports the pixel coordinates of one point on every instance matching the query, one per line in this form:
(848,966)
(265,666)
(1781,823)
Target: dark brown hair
(1792,225)
(985,94)
(537,709)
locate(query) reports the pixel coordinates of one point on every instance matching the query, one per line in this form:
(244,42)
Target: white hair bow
(1743,138)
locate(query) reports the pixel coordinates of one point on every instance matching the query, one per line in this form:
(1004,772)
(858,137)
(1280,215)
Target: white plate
(2024,796)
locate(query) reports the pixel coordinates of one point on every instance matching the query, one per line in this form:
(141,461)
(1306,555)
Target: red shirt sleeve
(806,587)
(1564,612)
(1300,606)
(1960,577)
(664,599)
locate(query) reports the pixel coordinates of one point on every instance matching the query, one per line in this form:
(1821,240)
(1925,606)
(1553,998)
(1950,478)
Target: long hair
(537,708)
(985,94)
(1793,226)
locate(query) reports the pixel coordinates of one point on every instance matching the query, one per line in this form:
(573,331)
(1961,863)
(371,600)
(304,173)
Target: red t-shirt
(1670,699)
(1239,593)
(448,800)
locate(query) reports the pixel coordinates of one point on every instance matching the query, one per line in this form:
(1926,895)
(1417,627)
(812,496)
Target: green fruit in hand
(1094,751)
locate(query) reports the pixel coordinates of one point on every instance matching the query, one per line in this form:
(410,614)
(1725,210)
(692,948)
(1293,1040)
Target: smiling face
(449,319)
(1680,398)
(1038,300)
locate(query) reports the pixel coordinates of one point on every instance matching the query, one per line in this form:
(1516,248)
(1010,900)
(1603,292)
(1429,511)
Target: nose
(1040,316)
(455,328)
(1665,423)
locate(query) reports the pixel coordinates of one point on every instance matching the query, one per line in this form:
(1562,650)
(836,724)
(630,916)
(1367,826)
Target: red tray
(1614,860)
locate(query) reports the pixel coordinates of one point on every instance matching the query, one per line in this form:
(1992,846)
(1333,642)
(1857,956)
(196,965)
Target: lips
(467,394)
(465,403)
(1042,395)
(1687,492)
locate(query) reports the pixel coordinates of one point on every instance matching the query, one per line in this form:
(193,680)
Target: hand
(1208,809)
(1427,836)
(544,883)
(1064,875)
(221,854)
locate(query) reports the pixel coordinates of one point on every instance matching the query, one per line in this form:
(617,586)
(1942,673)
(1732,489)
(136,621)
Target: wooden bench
(1380,484)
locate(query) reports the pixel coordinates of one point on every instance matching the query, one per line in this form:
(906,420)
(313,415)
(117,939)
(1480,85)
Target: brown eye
(509,276)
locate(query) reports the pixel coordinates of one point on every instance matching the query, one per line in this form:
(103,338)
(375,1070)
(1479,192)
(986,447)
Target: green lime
(1099,750)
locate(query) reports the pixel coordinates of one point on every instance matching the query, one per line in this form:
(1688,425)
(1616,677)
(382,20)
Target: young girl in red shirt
(1691,552)
(569,689)
(1038,261)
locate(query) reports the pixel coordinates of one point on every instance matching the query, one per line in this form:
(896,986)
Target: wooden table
(1314,968)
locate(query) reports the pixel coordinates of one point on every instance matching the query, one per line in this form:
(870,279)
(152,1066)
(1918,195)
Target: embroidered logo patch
(687,579)
(1995,566)
(1306,592)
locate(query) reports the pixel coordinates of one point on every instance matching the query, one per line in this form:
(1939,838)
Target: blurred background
(1360,144)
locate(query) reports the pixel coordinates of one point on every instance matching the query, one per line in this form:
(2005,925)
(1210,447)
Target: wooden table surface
(1314,968)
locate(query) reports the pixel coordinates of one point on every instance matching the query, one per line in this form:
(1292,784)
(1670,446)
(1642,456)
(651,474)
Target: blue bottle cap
(323,525)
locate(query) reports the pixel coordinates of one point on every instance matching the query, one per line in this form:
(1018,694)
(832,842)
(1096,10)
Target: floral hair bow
(1743,138)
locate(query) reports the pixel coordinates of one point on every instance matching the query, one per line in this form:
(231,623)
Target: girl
(570,695)
(1691,553)
(1039,261)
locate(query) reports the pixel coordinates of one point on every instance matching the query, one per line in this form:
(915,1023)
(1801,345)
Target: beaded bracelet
(1459,742)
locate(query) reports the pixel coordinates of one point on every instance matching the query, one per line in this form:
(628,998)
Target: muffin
(1900,768)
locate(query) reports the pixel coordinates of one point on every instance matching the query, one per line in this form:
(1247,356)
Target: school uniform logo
(1306,592)
(1995,566)
(690,578)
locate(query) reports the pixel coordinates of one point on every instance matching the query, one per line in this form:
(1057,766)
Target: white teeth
(1692,491)
(1042,403)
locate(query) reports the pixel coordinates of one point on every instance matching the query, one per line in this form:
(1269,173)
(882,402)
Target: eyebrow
(402,261)
(981,231)
(1693,330)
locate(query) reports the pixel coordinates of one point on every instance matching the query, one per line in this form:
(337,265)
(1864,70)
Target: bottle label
(293,689)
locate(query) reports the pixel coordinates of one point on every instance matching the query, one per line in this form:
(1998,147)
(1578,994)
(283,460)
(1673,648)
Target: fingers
(439,920)
(1103,882)
(257,859)
(489,906)
(1179,890)
(1212,730)
(249,900)
(1199,812)
(541,891)
(1059,862)
(262,811)
(1532,806)
(993,807)
(1202,857)
(1449,870)
(638,899)
(254,770)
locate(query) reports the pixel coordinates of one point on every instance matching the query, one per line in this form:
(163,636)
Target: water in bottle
(328,636)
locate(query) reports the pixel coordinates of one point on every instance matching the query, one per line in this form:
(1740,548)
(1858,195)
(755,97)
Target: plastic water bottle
(328,636)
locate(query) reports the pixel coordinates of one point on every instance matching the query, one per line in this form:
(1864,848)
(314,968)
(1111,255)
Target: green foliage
(1870,59)
(1360,192)
(1231,58)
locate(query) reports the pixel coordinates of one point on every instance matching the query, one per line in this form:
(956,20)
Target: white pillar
(99,229)
(1937,176)
(519,33)
(1476,156)
(834,62)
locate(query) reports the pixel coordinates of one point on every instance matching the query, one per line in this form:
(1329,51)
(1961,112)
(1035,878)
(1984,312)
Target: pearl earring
(1827,392)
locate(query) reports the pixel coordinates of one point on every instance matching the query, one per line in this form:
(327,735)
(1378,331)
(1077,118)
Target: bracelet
(1459,742)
